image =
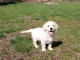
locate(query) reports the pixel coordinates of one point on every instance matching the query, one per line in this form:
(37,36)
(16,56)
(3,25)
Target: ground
(22,16)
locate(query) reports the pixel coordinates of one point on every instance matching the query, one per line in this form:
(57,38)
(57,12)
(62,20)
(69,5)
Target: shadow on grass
(7,3)
(56,44)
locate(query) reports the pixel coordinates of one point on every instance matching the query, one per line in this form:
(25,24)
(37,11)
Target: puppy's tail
(27,31)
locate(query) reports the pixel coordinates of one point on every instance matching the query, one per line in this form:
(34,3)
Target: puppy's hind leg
(35,43)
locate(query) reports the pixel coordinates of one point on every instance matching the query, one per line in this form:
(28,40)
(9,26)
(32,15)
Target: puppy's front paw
(50,48)
(43,50)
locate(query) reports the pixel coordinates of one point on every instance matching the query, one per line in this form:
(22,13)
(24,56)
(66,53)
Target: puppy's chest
(48,39)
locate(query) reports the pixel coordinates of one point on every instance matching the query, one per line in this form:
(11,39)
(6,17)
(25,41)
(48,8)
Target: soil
(8,53)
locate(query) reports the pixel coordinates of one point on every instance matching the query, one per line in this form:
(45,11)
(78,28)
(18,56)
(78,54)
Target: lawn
(21,16)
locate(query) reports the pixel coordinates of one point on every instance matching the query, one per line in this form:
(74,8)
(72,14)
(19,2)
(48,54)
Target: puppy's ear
(56,26)
(44,26)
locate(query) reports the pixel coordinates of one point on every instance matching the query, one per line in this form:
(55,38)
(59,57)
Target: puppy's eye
(48,25)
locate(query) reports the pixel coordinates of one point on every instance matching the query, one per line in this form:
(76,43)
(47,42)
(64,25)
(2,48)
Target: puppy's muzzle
(51,29)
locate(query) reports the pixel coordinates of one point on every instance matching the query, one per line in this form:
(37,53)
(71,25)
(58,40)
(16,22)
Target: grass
(16,13)
(17,17)
(42,11)
(1,35)
(22,44)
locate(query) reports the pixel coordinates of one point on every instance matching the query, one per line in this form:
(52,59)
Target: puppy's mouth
(51,32)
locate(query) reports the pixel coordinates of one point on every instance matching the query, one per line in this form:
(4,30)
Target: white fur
(42,34)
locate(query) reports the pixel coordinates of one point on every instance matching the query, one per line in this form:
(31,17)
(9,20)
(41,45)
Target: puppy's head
(50,27)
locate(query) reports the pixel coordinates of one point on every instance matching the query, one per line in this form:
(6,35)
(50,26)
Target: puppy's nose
(51,29)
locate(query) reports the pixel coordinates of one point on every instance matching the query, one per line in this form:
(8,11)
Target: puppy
(45,34)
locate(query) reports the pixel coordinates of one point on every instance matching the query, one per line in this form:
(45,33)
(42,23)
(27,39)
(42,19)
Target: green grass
(17,17)
(22,44)
(1,35)
(17,13)
(42,11)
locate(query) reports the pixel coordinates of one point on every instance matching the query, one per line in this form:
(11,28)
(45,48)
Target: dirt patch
(6,50)
(8,53)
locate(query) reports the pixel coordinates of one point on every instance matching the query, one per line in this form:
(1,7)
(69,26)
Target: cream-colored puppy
(45,34)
